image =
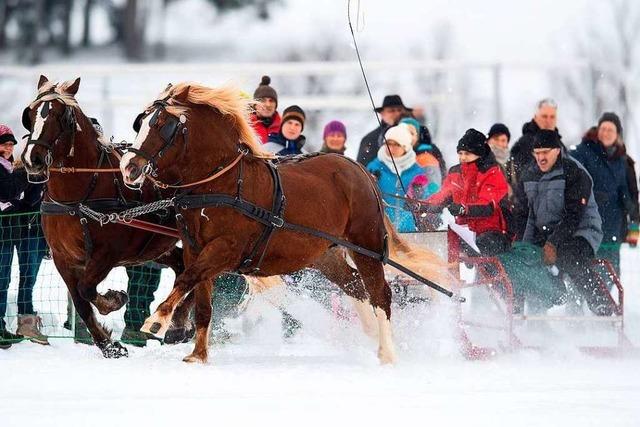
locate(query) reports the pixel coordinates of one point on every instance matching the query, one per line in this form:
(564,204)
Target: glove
(456,209)
(632,235)
(549,254)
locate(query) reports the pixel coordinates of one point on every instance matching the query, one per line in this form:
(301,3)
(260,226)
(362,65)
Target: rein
(221,172)
(83,170)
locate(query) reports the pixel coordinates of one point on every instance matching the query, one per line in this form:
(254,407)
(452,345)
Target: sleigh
(486,325)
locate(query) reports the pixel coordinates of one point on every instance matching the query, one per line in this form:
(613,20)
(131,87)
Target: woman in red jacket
(474,191)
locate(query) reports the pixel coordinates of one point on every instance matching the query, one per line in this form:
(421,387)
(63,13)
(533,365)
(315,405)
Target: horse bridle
(168,132)
(67,124)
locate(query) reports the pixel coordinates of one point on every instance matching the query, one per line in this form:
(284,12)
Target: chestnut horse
(83,251)
(218,153)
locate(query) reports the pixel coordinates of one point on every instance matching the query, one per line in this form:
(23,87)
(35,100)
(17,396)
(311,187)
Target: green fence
(30,283)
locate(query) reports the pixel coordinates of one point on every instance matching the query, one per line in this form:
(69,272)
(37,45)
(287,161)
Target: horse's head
(157,129)
(49,118)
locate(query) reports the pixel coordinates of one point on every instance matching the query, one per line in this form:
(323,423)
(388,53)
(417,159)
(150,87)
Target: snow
(327,373)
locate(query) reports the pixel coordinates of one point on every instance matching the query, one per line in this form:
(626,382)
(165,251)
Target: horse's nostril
(134,171)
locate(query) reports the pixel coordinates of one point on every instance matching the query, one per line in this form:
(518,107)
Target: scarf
(6,164)
(402,163)
(502,155)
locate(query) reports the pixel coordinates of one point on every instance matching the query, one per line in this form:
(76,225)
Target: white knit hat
(400,134)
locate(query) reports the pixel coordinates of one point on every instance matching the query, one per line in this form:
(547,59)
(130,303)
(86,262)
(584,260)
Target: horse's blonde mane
(59,92)
(227,99)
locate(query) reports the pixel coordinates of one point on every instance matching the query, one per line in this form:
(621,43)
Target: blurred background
(466,63)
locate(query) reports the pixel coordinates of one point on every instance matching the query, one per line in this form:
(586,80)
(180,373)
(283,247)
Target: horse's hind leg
(372,274)
(203,322)
(334,266)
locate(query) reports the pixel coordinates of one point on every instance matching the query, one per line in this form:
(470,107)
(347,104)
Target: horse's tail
(420,260)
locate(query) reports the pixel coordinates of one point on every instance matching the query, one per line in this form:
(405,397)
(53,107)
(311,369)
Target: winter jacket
(389,186)
(480,187)
(370,143)
(610,187)
(17,195)
(12,187)
(561,205)
(266,126)
(521,159)
(632,183)
(281,146)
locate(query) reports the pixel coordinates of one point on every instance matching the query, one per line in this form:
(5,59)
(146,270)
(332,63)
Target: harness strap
(86,236)
(182,225)
(263,241)
(198,201)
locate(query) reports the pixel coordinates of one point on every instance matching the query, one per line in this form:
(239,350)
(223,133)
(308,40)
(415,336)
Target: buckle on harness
(277,221)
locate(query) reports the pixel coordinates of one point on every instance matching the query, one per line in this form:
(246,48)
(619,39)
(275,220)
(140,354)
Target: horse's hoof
(153,327)
(192,358)
(180,335)
(114,350)
(386,357)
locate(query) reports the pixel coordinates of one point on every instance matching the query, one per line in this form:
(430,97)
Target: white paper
(465,234)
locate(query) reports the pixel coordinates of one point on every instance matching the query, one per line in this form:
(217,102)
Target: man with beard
(563,222)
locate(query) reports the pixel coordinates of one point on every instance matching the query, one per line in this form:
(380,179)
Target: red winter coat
(479,187)
(263,130)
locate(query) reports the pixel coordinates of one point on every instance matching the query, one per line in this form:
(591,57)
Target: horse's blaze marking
(37,130)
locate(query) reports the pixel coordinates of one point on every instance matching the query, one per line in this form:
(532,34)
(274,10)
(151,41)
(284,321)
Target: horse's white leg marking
(386,351)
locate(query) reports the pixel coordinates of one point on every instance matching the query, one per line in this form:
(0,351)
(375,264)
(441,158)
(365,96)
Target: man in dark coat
(545,118)
(391,111)
(602,153)
(563,217)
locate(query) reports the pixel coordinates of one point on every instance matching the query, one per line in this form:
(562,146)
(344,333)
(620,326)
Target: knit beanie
(474,142)
(400,133)
(264,90)
(6,135)
(546,139)
(613,118)
(334,126)
(413,122)
(499,129)
(294,112)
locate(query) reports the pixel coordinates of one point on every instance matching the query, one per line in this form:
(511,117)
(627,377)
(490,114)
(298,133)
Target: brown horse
(218,152)
(84,252)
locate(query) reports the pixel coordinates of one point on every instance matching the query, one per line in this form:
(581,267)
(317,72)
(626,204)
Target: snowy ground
(327,373)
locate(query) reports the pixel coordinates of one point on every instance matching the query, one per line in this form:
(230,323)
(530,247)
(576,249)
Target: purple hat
(334,126)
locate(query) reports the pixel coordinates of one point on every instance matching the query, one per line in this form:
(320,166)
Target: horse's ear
(42,81)
(183,95)
(73,88)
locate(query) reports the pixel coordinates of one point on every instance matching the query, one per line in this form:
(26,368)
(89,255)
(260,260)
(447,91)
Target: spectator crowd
(545,208)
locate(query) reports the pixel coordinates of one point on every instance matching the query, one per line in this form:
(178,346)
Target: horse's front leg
(210,262)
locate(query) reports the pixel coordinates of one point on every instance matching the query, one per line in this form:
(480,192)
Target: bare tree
(610,47)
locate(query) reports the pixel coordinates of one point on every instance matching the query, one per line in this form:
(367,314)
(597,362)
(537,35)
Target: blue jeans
(23,233)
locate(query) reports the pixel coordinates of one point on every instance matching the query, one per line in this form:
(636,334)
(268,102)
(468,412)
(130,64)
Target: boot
(82,335)
(29,327)
(136,338)
(7,338)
